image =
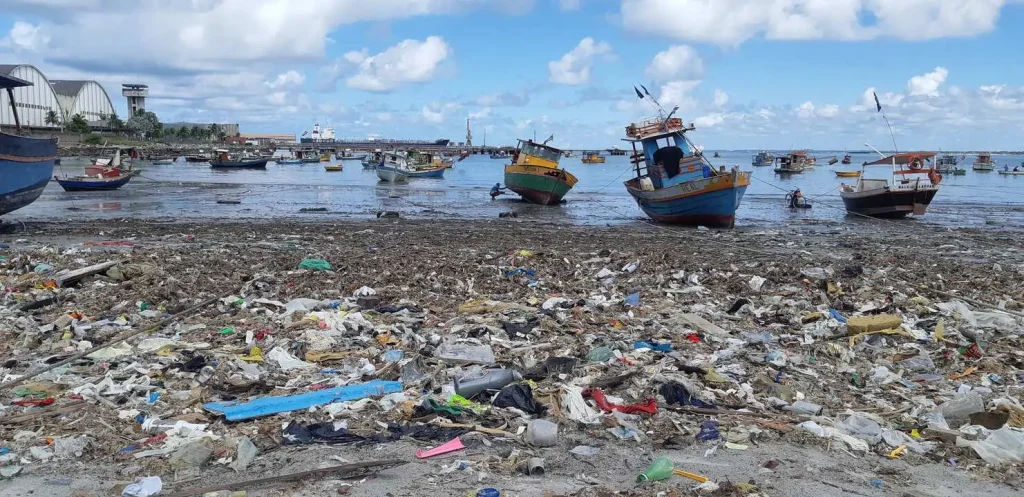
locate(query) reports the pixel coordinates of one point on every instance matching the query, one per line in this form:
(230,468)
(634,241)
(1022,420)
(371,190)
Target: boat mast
(14,108)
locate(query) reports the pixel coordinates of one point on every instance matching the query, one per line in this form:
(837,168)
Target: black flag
(645,90)
(641,95)
(877,103)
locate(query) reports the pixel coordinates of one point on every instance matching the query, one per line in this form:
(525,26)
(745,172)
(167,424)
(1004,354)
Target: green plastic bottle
(660,469)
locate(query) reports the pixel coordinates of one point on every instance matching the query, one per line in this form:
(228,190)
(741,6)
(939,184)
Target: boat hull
(540,185)
(710,202)
(249,164)
(1012,173)
(289,161)
(848,174)
(391,175)
(427,173)
(26,165)
(888,203)
(984,167)
(333,168)
(93,185)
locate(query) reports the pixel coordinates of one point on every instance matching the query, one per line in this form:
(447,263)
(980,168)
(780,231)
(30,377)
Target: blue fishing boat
(94,183)
(26,164)
(224,161)
(675,185)
(763,158)
(285,161)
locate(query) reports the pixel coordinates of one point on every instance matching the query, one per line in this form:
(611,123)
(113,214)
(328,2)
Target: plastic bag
(862,427)
(1002,446)
(519,396)
(315,265)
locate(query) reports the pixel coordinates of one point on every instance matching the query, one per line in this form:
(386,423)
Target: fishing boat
(333,168)
(794,162)
(983,162)
(914,184)
(224,161)
(325,158)
(288,161)
(200,157)
(847,159)
(534,173)
(716,156)
(848,174)
(372,160)
(161,162)
(763,158)
(392,168)
(1015,172)
(94,183)
(675,185)
(26,164)
(499,155)
(424,165)
(349,154)
(592,158)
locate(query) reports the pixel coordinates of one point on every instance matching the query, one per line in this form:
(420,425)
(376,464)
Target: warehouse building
(65,98)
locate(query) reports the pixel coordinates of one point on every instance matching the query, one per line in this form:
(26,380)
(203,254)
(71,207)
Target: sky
(750,74)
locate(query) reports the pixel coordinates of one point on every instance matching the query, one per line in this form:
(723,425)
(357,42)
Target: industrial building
(66,98)
(265,139)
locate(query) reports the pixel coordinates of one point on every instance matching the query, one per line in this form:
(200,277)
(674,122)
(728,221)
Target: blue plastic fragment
(835,315)
(265,406)
(708,431)
(648,344)
(632,300)
(153,396)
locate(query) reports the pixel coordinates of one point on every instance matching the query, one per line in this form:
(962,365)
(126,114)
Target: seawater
(191,190)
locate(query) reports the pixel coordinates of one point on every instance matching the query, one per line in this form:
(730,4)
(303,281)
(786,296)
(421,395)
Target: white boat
(1012,173)
(984,163)
(391,174)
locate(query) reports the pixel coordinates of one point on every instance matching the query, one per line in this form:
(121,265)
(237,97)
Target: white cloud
(290,79)
(709,121)
(503,99)
(574,67)
(808,110)
(437,113)
(678,93)
(25,36)
(679,62)
(481,114)
(569,4)
(721,98)
(927,84)
(731,22)
(410,61)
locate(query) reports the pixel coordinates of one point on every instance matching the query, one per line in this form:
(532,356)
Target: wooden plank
(340,471)
(67,277)
(703,325)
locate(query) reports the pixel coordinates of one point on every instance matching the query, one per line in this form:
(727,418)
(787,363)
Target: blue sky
(751,73)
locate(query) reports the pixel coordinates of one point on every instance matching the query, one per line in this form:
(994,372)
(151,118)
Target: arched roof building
(33,102)
(87,98)
(66,98)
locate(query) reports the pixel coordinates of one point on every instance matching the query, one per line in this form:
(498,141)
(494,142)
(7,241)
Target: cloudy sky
(749,73)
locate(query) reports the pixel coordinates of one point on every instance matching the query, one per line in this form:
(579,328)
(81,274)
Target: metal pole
(14,109)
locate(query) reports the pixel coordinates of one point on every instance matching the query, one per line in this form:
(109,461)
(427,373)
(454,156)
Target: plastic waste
(677,393)
(660,469)
(315,265)
(541,433)
(246,453)
(157,425)
(578,409)
(756,282)
(708,431)
(146,487)
(452,446)
(632,300)
(1002,446)
(585,451)
(862,427)
(805,408)
(600,354)
(650,344)
(463,353)
(488,492)
(519,396)
(920,363)
(962,406)
(494,379)
(535,466)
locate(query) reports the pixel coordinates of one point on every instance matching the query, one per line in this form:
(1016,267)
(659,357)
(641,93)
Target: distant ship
(326,136)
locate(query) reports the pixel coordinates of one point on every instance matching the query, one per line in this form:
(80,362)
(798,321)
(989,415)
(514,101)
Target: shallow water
(191,190)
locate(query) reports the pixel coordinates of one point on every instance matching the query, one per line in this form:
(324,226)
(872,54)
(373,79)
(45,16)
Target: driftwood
(65,278)
(345,470)
(24,418)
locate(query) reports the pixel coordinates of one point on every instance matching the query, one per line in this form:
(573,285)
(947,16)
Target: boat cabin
(530,153)
(667,156)
(910,170)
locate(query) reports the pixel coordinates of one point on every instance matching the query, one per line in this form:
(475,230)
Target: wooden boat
(284,161)
(847,159)
(763,158)
(499,155)
(197,158)
(673,184)
(619,151)
(534,173)
(794,162)
(372,160)
(1015,172)
(716,155)
(389,169)
(423,165)
(224,161)
(983,162)
(349,154)
(325,158)
(592,158)
(333,168)
(162,162)
(848,174)
(94,183)
(914,185)
(26,164)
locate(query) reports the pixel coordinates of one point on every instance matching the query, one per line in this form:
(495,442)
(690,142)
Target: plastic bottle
(660,469)
(493,379)
(541,433)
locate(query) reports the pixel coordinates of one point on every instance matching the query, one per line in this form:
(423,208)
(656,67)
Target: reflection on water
(191,190)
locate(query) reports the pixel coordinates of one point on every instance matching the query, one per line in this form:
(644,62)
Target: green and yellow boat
(534,173)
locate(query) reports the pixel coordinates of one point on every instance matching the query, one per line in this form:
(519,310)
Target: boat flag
(877,103)
(550,138)
(638,94)
(645,91)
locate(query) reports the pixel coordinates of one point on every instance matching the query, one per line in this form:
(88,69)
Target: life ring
(934,177)
(915,162)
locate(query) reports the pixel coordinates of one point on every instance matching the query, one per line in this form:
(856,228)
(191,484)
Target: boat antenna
(878,105)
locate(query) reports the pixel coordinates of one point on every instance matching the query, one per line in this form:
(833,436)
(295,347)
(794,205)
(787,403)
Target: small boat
(592,158)
(792,163)
(388,171)
(984,162)
(763,158)
(333,168)
(325,158)
(914,185)
(372,160)
(675,185)
(534,173)
(198,158)
(847,159)
(94,183)
(287,161)
(716,155)
(26,164)
(224,161)
(349,154)
(616,151)
(1015,172)
(161,162)
(848,174)
(499,155)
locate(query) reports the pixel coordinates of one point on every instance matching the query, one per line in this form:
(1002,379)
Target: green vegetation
(79,125)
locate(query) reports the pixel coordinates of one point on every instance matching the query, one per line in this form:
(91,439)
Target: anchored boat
(848,174)
(915,181)
(224,161)
(763,158)
(847,159)
(675,185)
(983,162)
(793,163)
(102,175)
(534,173)
(26,164)
(592,158)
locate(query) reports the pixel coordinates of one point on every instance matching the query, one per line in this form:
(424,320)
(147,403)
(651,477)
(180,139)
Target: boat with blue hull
(94,184)
(763,158)
(26,164)
(675,185)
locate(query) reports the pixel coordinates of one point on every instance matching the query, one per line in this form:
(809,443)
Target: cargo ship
(325,136)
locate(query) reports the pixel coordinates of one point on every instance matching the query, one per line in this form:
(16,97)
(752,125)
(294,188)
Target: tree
(52,118)
(144,125)
(182,132)
(114,123)
(196,133)
(78,124)
(215,131)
